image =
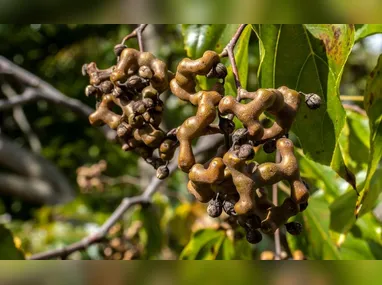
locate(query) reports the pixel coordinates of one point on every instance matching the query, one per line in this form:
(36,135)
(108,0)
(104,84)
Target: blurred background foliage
(175,226)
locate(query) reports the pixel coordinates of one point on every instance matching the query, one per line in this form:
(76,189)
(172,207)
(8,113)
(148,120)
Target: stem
(228,51)
(137,33)
(275,202)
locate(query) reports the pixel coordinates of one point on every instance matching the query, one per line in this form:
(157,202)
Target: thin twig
(38,89)
(22,121)
(204,144)
(229,51)
(275,202)
(137,33)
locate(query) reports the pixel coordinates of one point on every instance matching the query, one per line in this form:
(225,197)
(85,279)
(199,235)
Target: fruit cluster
(128,101)
(231,181)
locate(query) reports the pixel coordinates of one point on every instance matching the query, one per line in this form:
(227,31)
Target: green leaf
(317,221)
(206,244)
(342,209)
(310,58)
(199,38)
(8,250)
(364,240)
(373,107)
(342,215)
(355,141)
(322,176)
(243,250)
(367,30)
(256,29)
(355,249)
(227,250)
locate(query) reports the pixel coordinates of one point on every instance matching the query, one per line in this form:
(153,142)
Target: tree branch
(47,184)
(40,90)
(204,144)
(21,120)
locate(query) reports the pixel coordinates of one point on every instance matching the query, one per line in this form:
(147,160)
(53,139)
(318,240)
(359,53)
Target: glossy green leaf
(310,58)
(8,250)
(355,141)
(256,29)
(342,215)
(317,221)
(373,107)
(199,38)
(204,244)
(364,240)
(368,228)
(367,30)
(227,250)
(322,176)
(355,249)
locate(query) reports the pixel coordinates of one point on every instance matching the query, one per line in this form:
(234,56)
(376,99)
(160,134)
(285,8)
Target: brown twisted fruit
(146,64)
(167,149)
(97,76)
(133,85)
(202,179)
(283,103)
(183,86)
(235,160)
(269,173)
(247,180)
(104,115)
(212,178)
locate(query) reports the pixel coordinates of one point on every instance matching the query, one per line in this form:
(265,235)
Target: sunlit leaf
(204,244)
(317,221)
(367,30)
(322,176)
(355,141)
(310,58)
(373,107)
